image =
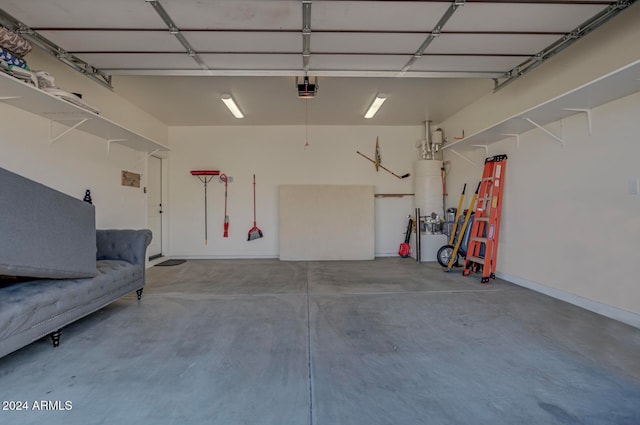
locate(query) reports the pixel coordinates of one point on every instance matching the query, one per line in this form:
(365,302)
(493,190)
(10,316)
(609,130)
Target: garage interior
(276,330)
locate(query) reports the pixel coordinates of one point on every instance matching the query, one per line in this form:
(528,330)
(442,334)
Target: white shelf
(618,84)
(31,99)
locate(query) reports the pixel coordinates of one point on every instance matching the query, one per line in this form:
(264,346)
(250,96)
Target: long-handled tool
(377,164)
(225,179)
(458,212)
(205,176)
(454,253)
(254,232)
(445,252)
(405,248)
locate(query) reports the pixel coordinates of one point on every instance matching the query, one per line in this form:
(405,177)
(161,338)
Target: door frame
(164,202)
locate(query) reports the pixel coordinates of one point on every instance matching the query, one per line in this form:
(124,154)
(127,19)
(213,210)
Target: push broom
(205,176)
(255,232)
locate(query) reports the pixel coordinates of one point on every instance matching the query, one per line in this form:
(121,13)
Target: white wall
(79,161)
(569,227)
(277,156)
(569,222)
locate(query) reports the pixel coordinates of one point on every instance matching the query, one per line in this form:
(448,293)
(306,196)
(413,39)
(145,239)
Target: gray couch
(55,268)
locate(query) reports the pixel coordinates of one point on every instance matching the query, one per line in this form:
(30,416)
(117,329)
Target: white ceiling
(274,101)
(358,48)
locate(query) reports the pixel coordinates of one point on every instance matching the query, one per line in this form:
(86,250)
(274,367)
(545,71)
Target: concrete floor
(330,343)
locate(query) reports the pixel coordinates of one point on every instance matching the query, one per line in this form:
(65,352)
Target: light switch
(634,186)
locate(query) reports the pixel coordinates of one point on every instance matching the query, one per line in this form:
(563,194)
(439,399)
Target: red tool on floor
(223,177)
(205,176)
(405,248)
(254,232)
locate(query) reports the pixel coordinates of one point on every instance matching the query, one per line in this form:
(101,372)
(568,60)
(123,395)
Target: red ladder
(482,252)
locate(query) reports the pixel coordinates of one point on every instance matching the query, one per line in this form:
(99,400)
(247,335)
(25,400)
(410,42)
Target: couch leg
(139,292)
(55,337)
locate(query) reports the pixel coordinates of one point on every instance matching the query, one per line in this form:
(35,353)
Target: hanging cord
(254,200)
(306,122)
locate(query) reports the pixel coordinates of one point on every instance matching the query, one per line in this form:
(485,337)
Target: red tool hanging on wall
(225,179)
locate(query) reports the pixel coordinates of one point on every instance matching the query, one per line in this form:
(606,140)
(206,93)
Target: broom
(254,233)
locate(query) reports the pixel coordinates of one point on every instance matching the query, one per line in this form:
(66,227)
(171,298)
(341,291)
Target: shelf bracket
(517,136)
(146,155)
(462,156)
(109,141)
(53,139)
(559,139)
(486,148)
(586,111)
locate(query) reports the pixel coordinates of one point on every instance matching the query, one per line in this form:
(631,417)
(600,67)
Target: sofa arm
(123,244)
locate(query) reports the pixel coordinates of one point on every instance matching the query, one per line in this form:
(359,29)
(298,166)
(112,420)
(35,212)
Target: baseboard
(222,257)
(151,263)
(606,310)
(386,254)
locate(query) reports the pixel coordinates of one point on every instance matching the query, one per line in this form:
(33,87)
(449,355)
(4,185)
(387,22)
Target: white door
(154,205)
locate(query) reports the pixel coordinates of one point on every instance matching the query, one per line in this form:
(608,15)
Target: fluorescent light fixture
(228,101)
(375,105)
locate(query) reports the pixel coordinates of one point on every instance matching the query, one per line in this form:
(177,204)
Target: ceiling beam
(175,31)
(293,31)
(306,34)
(436,32)
(221,52)
(569,38)
(301,73)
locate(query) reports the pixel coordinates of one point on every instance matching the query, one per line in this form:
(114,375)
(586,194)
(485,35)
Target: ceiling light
(375,105)
(228,101)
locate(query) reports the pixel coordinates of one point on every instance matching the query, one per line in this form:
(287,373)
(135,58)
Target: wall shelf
(16,93)
(615,85)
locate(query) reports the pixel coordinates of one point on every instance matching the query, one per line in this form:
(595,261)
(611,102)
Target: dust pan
(254,232)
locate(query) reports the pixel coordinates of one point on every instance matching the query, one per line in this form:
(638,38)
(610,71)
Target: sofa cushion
(123,244)
(26,304)
(45,233)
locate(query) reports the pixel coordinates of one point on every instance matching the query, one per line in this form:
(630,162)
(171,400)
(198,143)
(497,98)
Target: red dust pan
(205,176)
(255,232)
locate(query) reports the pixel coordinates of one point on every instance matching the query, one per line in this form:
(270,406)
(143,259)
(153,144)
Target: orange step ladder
(482,252)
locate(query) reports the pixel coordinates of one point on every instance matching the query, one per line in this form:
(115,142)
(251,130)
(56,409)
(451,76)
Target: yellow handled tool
(467,216)
(458,212)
